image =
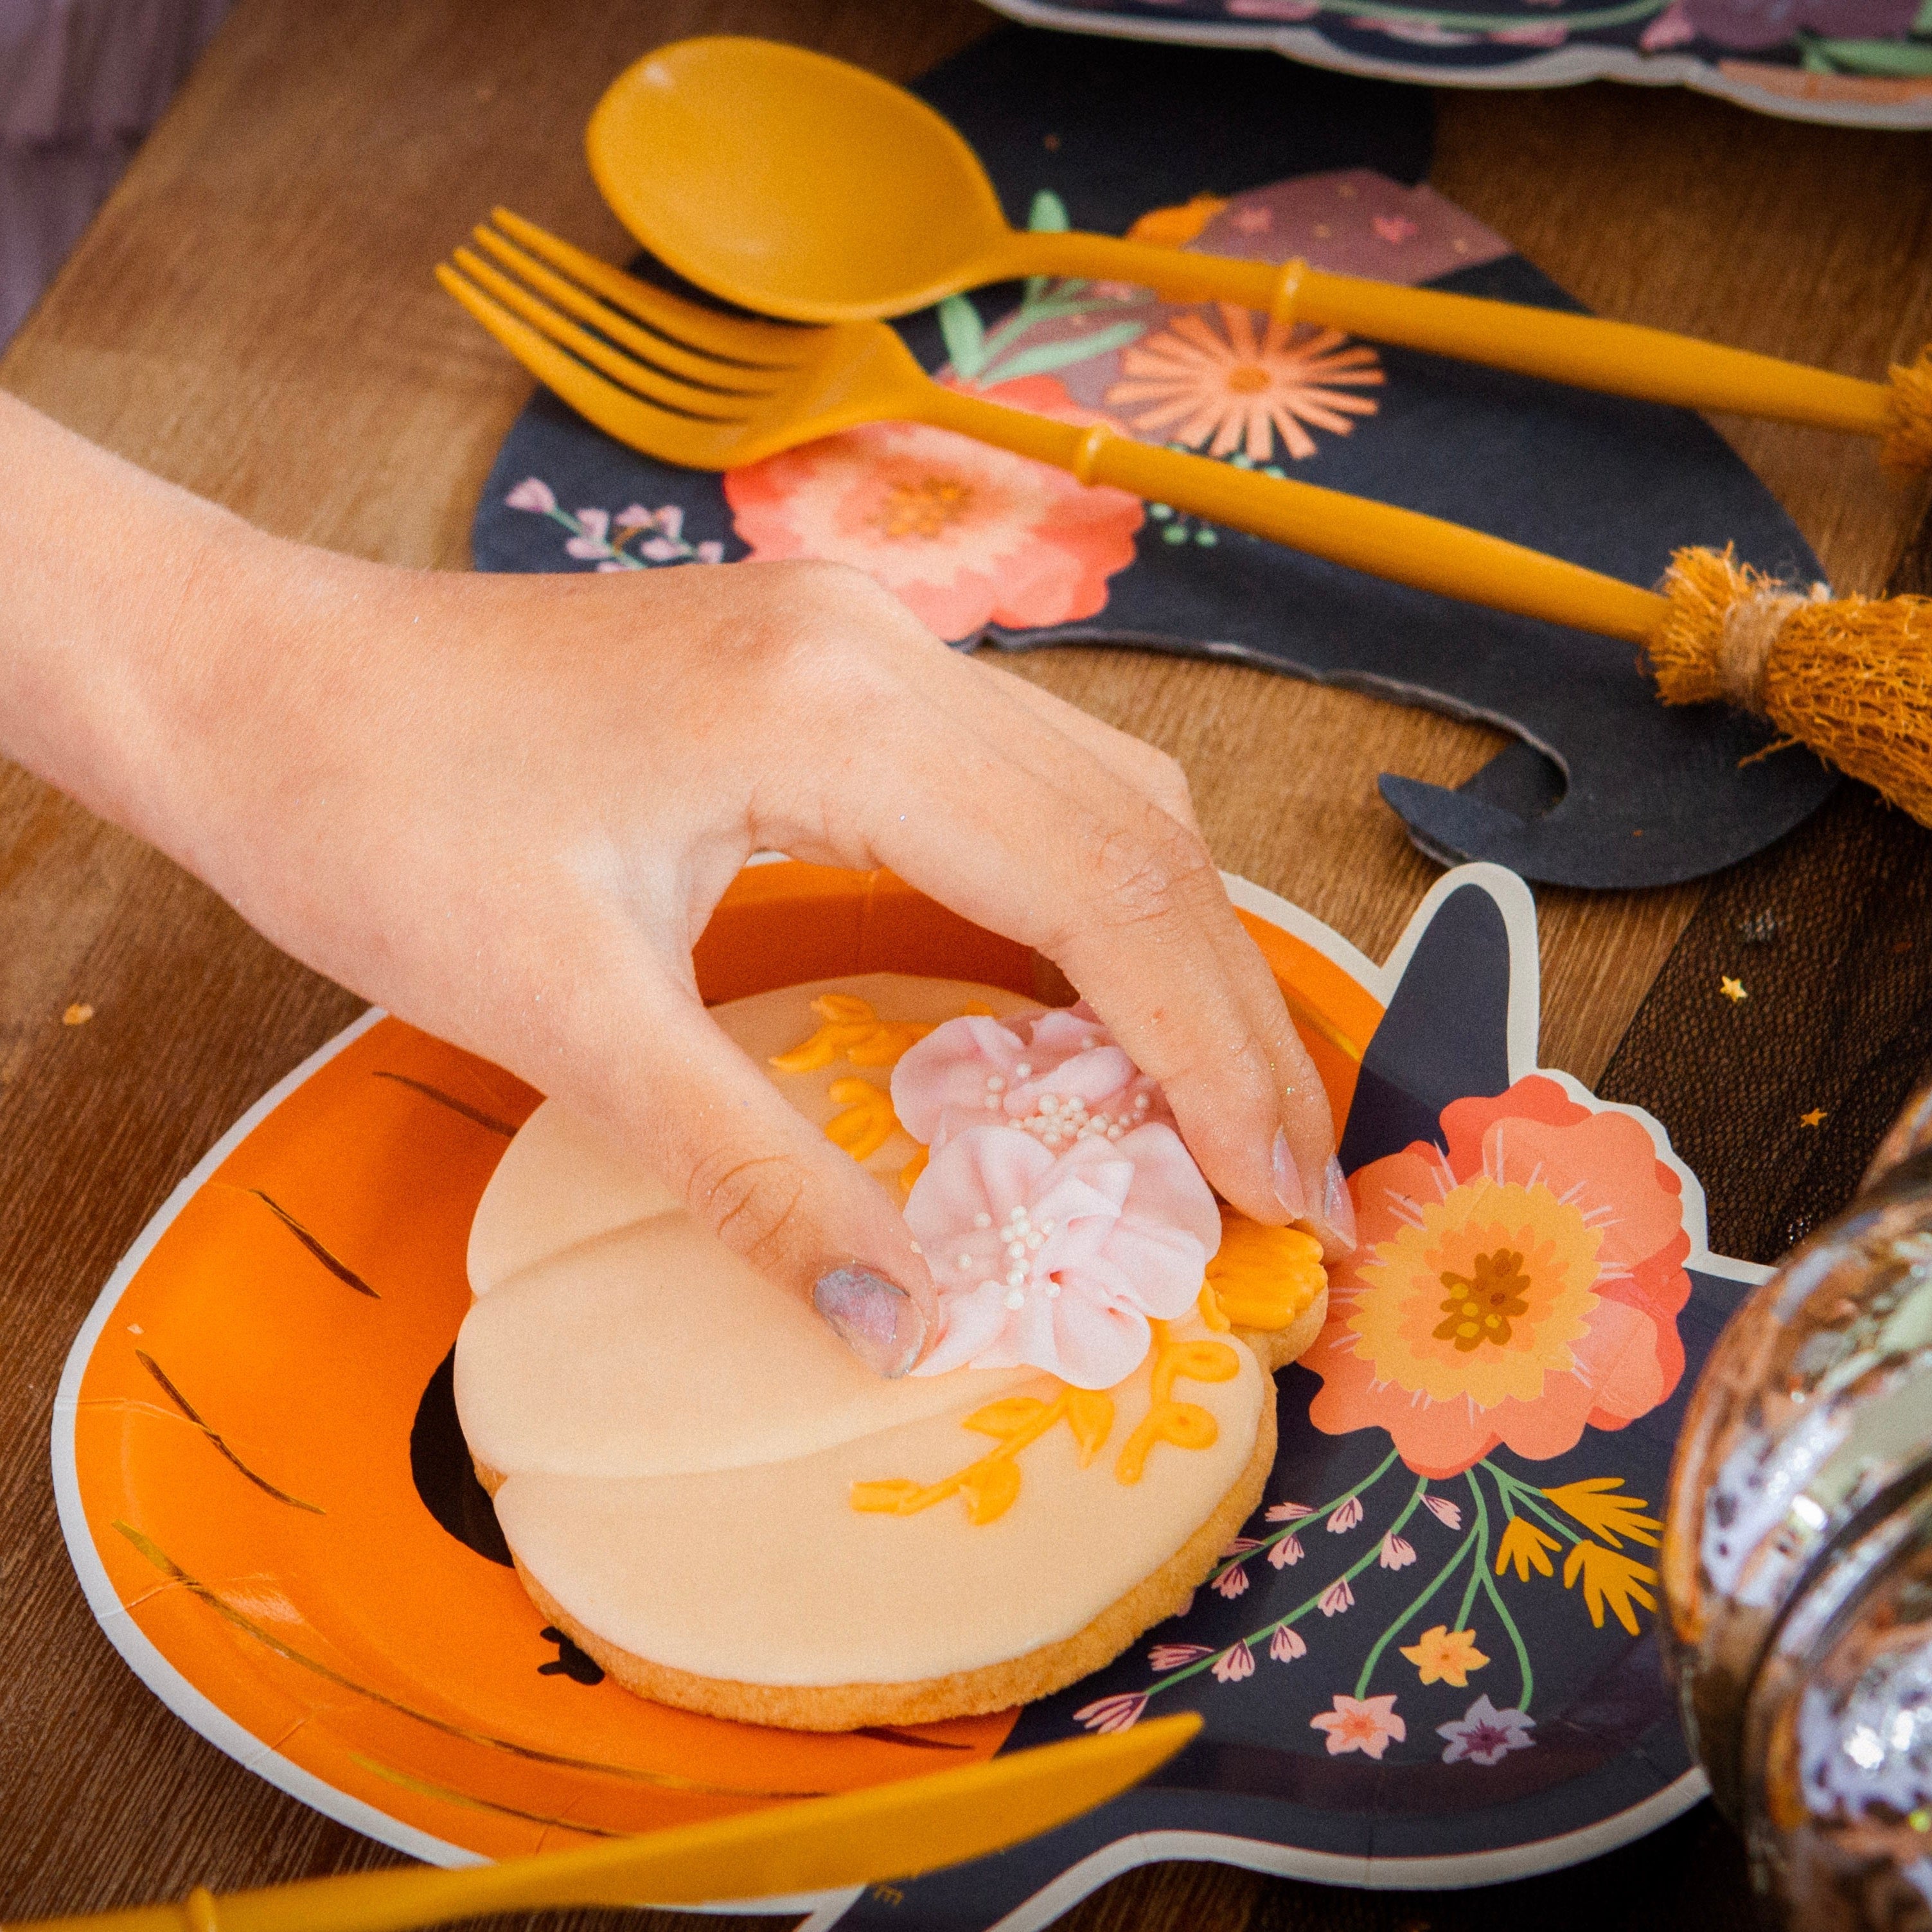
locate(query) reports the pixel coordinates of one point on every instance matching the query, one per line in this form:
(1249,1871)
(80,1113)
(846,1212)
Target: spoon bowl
(794,184)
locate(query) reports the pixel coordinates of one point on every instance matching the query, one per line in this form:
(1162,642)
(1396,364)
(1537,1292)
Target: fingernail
(1288,1188)
(1338,1206)
(874,1317)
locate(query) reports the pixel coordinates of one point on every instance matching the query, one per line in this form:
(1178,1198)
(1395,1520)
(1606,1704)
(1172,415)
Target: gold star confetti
(78,1014)
(1732,990)
(1815,1118)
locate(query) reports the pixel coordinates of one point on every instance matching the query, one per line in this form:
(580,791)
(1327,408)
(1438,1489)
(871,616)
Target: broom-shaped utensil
(1851,677)
(808,188)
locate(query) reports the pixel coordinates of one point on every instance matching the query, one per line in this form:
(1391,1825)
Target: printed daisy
(1240,390)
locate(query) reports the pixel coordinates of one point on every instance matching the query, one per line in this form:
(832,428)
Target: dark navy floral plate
(1863,63)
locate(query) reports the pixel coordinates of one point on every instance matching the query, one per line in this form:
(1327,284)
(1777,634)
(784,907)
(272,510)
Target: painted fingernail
(1338,1206)
(874,1317)
(1288,1188)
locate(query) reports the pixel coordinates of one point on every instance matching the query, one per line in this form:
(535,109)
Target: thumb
(748,1164)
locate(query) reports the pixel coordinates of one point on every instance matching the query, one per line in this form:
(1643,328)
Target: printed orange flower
(965,535)
(1241,391)
(1515,1289)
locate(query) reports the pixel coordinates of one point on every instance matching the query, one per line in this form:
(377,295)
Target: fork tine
(735,338)
(708,405)
(703,444)
(659,350)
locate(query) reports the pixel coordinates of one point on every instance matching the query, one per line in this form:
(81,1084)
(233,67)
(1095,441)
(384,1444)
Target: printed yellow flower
(1609,1577)
(1444,1656)
(1527,1547)
(1611,1517)
(1240,389)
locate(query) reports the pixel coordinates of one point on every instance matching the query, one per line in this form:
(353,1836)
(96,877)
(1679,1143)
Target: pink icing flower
(1366,1724)
(1286,1645)
(1288,1512)
(1285,1554)
(1232,1665)
(1063,1079)
(1058,1261)
(1175,1656)
(1232,1582)
(1112,1714)
(1443,1510)
(1337,1598)
(1397,1553)
(1345,1517)
(532,493)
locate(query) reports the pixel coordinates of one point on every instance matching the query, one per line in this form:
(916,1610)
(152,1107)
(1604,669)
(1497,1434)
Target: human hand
(505,807)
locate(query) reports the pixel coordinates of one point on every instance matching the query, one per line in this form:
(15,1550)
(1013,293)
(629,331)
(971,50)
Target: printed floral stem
(1603,16)
(1328,1508)
(1402,1622)
(1481,1533)
(1495,1596)
(1509,1487)
(576,530)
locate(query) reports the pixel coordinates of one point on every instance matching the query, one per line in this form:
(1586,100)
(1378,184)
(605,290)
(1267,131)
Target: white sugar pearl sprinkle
(966,1260)
(1014,1299)
(1023,1071)
(1053,1291)
(982,1220)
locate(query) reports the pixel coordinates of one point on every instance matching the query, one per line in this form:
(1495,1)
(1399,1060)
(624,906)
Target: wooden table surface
(252,316)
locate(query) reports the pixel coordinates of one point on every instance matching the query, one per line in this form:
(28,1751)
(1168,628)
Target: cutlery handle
(1587,352)
(1402,546)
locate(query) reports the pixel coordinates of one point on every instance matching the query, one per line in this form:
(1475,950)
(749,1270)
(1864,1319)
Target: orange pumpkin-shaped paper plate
(269,1504)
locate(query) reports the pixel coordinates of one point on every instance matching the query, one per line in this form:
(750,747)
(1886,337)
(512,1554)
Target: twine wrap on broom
(1907,447)
(1851,677)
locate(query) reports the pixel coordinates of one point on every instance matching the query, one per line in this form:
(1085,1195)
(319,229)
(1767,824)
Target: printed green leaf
(1902,58)
(1047,215)
(965,338)
(1046,356)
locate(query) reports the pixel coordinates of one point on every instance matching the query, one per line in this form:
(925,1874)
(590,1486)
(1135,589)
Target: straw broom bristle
(1851,677)
(1907,447)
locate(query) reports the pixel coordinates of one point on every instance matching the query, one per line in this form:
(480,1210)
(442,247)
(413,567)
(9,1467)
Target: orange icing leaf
(868,1121)
(1090,1413)
(1004,1420)
(991,1488)
(914,1168)
(1185,1424)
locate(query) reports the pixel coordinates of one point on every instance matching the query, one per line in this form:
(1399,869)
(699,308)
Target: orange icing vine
(852,1031)
(1262,1277)
(1185,1424)
(991,1485)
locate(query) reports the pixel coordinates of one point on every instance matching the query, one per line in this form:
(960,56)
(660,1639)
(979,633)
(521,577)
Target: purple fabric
(94,70)
(1770,23)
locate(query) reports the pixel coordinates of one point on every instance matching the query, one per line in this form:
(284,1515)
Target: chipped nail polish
(873,1316)
(1338,1206)
(1288,1188)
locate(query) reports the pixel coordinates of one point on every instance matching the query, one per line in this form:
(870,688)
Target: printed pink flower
(1394,229)
(532,493)
(1232,1665)
(1232,1582)
(1397,1553)
(1542,34)
(1120,1713)
(1346,1516)
(1241,1546)
(1274,10)
(1288,1512)
(1060,1074)
(1286,1645)
(964,534)
(1285,1554)
(1176,1656)
(1484,1734)
(1443,1510)
(1059,1260)
(1670,28)
(1367,1724)
(1337,1598)
(1518,1289)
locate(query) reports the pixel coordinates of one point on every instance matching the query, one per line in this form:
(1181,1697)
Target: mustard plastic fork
(692,386)
(891,1831)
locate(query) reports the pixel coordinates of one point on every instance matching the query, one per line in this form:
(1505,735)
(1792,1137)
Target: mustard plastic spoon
(799,186)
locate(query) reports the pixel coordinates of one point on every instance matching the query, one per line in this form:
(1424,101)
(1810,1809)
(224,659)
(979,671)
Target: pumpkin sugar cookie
(705,1488)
